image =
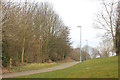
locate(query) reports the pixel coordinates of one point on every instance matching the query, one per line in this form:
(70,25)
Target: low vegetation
(94,68)
(31,66)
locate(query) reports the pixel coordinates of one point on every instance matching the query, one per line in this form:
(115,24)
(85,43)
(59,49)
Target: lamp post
(86,50)
(80,45)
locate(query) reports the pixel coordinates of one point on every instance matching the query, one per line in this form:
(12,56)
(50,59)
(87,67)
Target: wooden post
(10,65)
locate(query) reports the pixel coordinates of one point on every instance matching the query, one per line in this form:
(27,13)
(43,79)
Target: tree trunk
(22,56)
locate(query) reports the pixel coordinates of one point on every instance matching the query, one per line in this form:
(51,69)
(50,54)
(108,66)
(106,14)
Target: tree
(95,53)
(105,47)
(106,19)
(86,52)
(10,29)
(117,35)
(75,54)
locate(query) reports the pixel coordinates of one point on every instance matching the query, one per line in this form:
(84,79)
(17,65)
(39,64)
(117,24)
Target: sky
(78,13)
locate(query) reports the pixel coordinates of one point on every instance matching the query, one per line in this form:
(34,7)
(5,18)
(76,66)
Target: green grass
(94,68)
(33,66)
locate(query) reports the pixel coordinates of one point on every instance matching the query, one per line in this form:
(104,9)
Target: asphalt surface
(62,66)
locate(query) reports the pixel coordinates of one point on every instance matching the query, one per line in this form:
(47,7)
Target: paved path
(62,66)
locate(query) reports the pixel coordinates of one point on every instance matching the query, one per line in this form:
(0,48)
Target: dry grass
(31,66)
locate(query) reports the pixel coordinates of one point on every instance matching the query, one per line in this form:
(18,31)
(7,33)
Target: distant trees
(106,20)
(75,54)
(105,48)
(86,52)
(33,33)
(94,53)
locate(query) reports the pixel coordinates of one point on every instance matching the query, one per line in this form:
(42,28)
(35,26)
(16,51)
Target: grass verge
(32,66)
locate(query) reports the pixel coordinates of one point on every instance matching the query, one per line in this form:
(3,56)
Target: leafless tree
(105,47)
(106,19)
(117,36)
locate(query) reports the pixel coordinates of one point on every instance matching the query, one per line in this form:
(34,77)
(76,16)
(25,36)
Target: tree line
(33,32)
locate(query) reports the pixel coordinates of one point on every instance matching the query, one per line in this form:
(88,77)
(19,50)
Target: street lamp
(80,44)
(86,50)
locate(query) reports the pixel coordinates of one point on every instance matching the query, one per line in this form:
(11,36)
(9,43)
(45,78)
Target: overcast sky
(78,13)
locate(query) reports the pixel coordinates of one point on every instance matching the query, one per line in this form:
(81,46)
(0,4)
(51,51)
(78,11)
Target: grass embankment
(32,66)
(94,68)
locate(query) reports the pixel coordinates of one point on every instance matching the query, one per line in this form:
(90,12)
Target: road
(62,66)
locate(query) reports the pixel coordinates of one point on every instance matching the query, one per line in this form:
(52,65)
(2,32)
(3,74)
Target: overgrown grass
(95,68)
(33,66)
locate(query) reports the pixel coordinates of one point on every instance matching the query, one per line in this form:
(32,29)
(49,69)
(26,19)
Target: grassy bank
(94,68)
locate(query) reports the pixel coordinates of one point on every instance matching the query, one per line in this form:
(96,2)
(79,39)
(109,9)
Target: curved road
(62,66)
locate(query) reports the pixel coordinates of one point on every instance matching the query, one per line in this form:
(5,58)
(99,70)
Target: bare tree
(86,51)
(105,47)
(106,19)
(117,35)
